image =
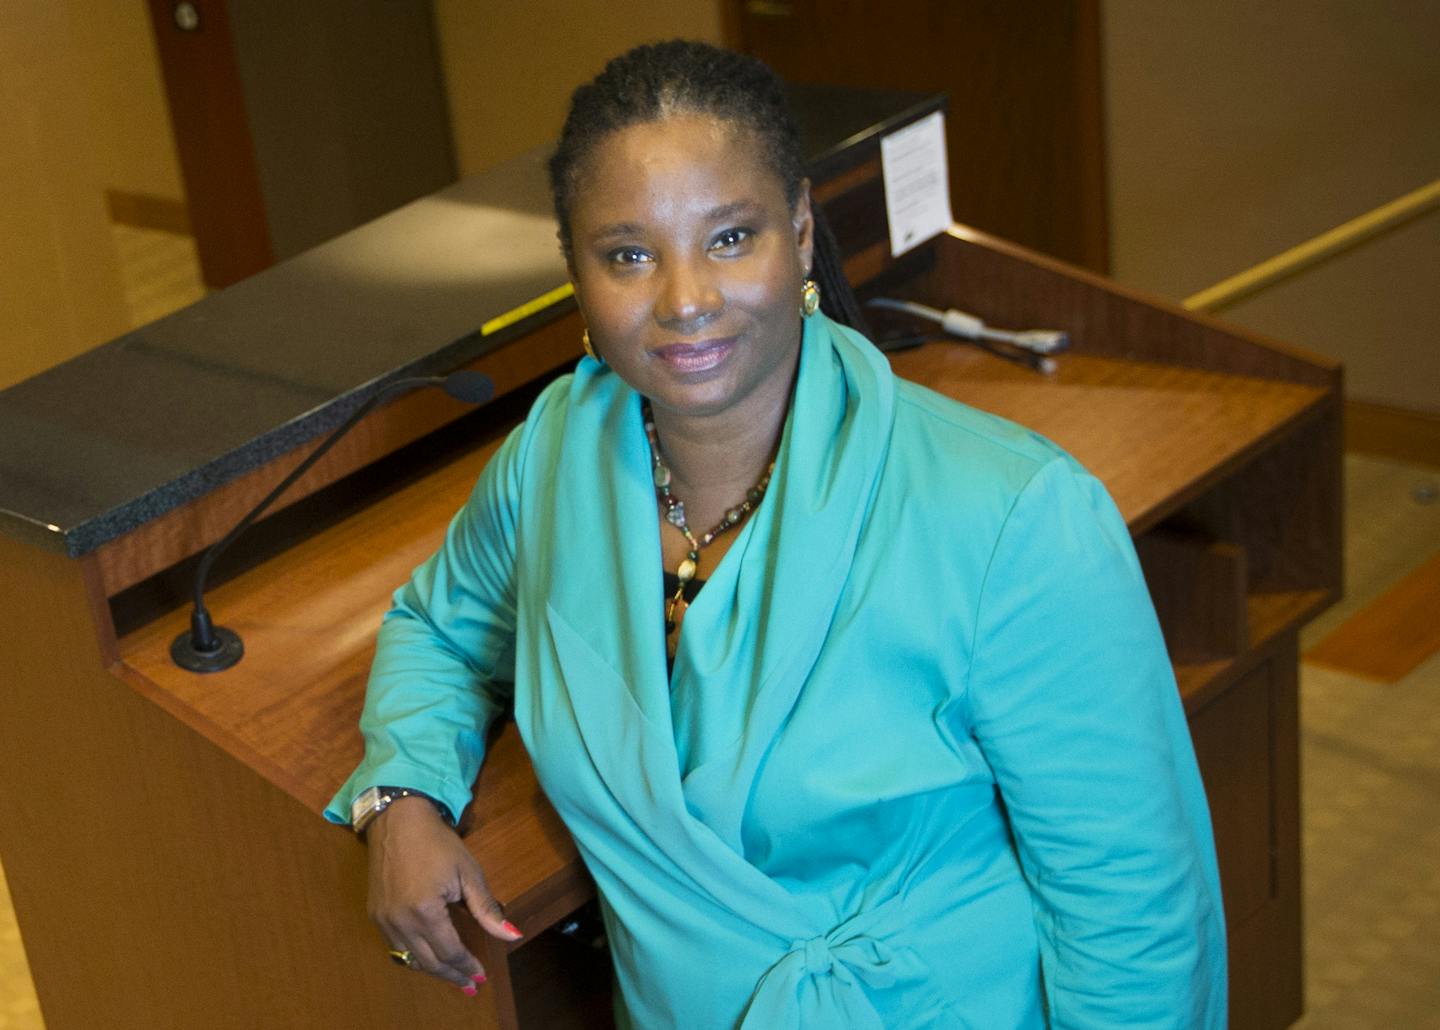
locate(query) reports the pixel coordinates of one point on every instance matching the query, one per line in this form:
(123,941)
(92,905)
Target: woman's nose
(689,297)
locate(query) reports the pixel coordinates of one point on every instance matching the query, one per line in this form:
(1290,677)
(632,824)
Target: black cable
(1035,362)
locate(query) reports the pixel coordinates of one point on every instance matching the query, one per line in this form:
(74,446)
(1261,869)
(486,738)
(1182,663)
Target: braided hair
(659,80)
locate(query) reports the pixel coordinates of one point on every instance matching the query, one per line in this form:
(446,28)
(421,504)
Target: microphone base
(230,651)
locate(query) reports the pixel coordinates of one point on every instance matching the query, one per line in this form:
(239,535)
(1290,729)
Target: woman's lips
(695,357)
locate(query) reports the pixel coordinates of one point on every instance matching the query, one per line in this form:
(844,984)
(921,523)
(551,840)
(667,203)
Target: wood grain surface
(158,877)
(1010,286)
(1155,434)
(1198,587)
(1247,743)
(1393,432)
(1389,638)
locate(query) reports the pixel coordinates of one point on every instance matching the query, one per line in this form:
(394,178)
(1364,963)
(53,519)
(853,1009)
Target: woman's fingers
(441,953)
(418,868)
(484,907)
(436,947)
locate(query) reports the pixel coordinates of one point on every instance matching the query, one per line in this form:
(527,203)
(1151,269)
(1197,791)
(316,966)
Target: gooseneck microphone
(206,647)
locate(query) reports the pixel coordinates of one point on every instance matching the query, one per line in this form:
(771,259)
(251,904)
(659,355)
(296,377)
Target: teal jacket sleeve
(445,655)
(1073,701)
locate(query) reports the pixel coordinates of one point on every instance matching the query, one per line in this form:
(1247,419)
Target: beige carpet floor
(1370,753)
(1371,850)
(1371,785)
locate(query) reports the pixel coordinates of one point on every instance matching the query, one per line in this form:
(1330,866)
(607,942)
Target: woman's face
(687,264)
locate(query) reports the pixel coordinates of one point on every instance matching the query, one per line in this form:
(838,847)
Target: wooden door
(296,122)
(212,139)
(1025,125)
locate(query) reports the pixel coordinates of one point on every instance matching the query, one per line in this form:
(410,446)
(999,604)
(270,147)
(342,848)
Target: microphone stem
(200,619)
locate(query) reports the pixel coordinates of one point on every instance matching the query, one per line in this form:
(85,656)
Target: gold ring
(402,958)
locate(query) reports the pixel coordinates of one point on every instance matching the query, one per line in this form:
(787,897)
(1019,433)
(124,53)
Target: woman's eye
(628,256)
(730,239)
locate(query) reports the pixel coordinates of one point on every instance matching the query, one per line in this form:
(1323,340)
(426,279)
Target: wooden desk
(161,830)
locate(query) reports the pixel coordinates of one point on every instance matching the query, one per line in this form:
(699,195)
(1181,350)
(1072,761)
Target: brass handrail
(1388,216)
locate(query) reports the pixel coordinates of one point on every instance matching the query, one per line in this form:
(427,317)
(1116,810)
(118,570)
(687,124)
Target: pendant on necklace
(675,515)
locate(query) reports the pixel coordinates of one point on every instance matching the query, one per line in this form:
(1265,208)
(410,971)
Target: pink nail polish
(469,990)
(511,928)
(479,978)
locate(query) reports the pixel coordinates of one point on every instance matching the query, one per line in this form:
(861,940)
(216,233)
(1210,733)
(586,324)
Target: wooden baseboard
(1389,638)
(1392,432)
(148,212)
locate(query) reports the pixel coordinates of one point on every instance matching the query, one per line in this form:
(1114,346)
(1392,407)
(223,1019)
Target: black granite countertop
(117,436)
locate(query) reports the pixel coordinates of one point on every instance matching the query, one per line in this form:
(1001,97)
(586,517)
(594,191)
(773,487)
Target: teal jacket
(921,761)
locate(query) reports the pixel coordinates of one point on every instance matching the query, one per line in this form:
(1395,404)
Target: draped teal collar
(754,631)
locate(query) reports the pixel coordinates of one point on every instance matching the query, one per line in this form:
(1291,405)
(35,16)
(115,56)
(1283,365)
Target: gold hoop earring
(809,297)
(590,347)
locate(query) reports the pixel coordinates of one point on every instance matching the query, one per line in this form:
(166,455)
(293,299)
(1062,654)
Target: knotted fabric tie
(820,982)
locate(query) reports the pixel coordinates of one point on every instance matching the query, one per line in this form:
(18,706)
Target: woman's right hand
(419,867)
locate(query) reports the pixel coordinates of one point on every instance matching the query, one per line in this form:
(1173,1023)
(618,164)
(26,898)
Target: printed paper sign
(917,183)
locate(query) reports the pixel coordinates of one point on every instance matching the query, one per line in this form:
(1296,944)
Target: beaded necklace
(675,515)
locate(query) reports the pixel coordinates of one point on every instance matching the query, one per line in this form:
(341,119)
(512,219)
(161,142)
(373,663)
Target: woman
(912,757)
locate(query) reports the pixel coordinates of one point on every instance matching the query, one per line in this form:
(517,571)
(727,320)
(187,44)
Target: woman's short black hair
(659,80)
(679,77)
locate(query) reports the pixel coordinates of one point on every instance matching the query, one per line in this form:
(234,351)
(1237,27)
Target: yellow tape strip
(1327,244)
(527,309)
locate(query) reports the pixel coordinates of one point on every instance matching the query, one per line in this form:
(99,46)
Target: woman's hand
(418,867)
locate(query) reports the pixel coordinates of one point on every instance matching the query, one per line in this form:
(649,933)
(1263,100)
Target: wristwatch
(373,800)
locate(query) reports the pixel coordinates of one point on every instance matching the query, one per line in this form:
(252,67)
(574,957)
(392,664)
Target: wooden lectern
(161,830)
